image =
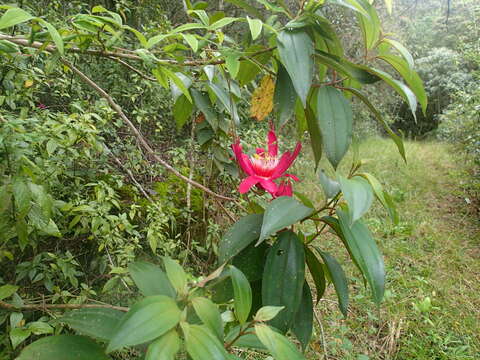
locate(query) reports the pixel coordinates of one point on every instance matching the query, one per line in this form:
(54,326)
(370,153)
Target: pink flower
(264,167)
(42,106)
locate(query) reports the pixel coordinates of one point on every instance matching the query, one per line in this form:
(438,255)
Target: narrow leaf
(165,347)
(208,312)
(284,97)
(303,321)
(150,279)
(176,275)
(280,347)
(242,294)
(201,344)
(255,26)
(13,17)
(316,270)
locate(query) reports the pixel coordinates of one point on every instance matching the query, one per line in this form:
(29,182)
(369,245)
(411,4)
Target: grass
(432,304)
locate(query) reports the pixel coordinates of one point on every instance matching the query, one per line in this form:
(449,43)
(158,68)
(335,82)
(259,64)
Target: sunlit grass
(432,257)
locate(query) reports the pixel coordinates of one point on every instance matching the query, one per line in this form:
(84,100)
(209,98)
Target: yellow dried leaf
(28,83)
(262,99)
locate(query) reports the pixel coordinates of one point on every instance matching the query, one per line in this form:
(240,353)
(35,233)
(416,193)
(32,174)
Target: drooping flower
(265,166)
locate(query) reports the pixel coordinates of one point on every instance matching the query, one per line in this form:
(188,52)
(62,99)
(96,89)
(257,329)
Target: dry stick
(134,69)
(322,332)
(137,133)
(8,306)
(189,190)
(123,55)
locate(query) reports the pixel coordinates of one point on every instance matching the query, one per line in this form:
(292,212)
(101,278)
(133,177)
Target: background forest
(89,201)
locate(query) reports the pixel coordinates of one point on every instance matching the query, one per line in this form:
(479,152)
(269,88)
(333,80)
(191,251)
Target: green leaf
(64,347)
(335,118)
(280,213)
(192,41)
(255,26)
(7,290)
(370,25)
(18,335)
(296,49)
(381,195)
(410,76)
(358,194)
(338,278)
(249,340)
(221,23)
(316,270)
(40,328)
(202,102)
(227,101)
(402,50)
(251,260)
(208,312)
(165,347)
(316,138)
(13,17)
(397,139)
(145,321)
(283,278)
(22,196)
(201,344)
(55,35)
(242,294)
(239,236)
(280,347)
(150,279)
(330,187)
(182,110)
(8,47)
(365,253)
(176,275)
(304,199)
(389,5)
(97,323)
(249,69)
(284,97)
(267,313)
(351,4)
(303,321)
(232,62)
(180,81)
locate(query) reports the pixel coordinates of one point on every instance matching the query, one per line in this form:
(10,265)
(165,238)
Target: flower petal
(286,161)
(260,151)
(272,143)
(242,159)
(247,184)
(291,176)
(284,189)
(269,186)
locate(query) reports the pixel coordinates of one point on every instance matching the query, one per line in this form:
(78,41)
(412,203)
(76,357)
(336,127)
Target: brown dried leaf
(262,99)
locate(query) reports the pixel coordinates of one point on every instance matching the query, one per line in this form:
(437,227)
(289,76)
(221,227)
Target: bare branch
(32,307)
(143,142)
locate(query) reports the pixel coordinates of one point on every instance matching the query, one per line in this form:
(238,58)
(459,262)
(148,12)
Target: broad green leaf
(249,69)
(97,323)
(304,199)
(145,321)
(55,35)
(202,102)
(280,213)
(397,139)
(22,196)
(382,196)
(7,290)
(14,16)
(182,110)
(284,97)
(150,279)
(139,35)
(267,313)
(40,328)
(399,87)
(221,23)
(402,50)
(201,344)
(251,260)
(330,187)
(176,275)
(316,270)
(283,278)
(182,28)
(192,41)
(208,312)
(303,322)
(296,49)
(364,252)
(314,129)
(227,101)
(242,294)
(18,335)
(255,26)
(165,347)
(370,25)
(179,84)
(64,347)
(239,236)
(334,115)
(358,194)
(352,5)
(232,62)
(338,278)
(410,76)
(280,347)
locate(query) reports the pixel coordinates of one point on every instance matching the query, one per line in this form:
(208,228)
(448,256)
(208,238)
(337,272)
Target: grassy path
(432,305)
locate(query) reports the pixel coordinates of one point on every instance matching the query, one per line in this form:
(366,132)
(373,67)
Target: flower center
(264,164)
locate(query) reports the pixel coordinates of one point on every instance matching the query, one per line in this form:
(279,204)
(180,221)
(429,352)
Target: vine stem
(141,139)
(44,306)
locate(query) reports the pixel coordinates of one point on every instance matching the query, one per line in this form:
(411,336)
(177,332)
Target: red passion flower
(264,167)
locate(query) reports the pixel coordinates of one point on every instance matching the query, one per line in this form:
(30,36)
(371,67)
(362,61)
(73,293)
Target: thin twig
(123,55)
(322,332)
(44,306)
(141,139)
(132,68)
